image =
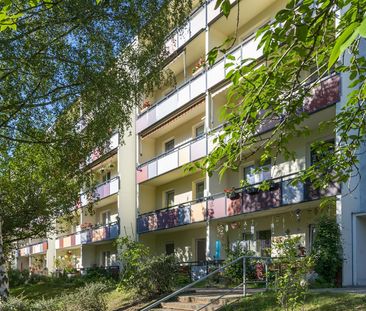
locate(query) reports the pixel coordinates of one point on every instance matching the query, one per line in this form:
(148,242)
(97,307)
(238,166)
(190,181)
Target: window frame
(166,193)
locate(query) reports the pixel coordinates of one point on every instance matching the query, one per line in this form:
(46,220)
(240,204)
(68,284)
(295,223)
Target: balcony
(248,200)
(90,235)
(98,153)
(205,14)
(196,86)
(183,154)
(38,248)
(102,191)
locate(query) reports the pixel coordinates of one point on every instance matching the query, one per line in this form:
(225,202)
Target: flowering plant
(201,63)
(86,225)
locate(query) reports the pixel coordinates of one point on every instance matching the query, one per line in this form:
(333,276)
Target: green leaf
(302,32)
(362,28)
(226,7)
(218,3)
(342,42)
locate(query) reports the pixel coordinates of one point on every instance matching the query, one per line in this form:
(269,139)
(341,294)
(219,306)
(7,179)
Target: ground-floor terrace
(208,241)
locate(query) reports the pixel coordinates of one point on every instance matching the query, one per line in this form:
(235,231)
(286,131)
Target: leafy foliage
(327,248)
(300,48)
(235,271)
(146,275)
(88,298)
(291,282)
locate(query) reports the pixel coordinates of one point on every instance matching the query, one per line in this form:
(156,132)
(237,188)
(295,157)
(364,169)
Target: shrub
(327,249)
(88,298)
(17,277)
(292,284)
(15,304)
(234,273)
(146,275)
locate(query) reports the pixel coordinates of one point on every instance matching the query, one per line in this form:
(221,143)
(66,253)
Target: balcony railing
(196,86)
(324,94)
(90,235)
(102,191)
(37,248)
(98,153)
(249,199)
(203,15)
(183,154)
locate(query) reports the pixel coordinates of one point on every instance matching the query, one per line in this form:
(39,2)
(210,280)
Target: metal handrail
(183,289)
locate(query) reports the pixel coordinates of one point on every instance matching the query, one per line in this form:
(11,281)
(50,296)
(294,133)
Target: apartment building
(189,214)
(144,191)
(88,240)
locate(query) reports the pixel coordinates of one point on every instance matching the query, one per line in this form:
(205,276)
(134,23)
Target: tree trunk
(4,281)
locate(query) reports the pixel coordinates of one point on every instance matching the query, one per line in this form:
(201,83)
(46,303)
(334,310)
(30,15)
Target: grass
(44,290)
(55,289)
(325,301)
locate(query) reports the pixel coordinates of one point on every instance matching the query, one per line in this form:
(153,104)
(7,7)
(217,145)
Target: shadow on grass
(314,302)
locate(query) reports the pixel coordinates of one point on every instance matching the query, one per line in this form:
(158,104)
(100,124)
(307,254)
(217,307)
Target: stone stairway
(196,299)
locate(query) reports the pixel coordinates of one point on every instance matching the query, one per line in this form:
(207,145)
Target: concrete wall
(184,242)
(127,193)
(352,201)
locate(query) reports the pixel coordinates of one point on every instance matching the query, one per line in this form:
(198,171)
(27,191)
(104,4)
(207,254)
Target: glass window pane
(200,130)
(169,145)
(169,197)
(200,190)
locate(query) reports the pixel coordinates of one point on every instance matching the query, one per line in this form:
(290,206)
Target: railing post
(266,271)
(244,278)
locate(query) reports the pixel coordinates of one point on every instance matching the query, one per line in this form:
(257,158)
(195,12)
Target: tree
(70,73)
(301,46)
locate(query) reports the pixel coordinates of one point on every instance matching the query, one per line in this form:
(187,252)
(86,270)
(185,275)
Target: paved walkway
(353,290)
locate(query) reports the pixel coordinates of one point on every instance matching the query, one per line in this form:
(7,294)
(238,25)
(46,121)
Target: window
(258,173)
(169,145)
(317,155)
(200,189)
(169,249)
(199,130)
(106,218)
(106,259)
(169,198)
(106,176)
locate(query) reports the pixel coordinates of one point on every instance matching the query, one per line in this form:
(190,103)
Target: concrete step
(184,306)
(204,299)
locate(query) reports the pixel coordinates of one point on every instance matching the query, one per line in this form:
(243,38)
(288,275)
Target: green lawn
(324,301)
(46,290)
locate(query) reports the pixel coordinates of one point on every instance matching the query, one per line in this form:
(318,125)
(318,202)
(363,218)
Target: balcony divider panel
(168,162)
(198,149)
(184,155)
(152,169)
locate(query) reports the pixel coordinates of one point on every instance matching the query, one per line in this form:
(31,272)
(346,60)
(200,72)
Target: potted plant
(231,193)
(198,67)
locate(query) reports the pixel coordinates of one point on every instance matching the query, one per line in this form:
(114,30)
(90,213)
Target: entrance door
(201,250)
(264,242)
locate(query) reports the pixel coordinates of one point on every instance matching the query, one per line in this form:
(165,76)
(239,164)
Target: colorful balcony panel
(191,151)
(38,248)
(87,236)
(247,200)
(97,153)
(102,191)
